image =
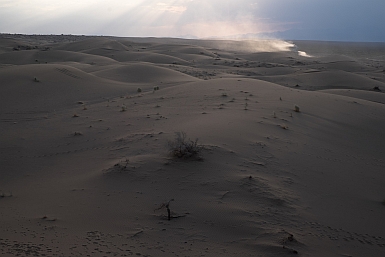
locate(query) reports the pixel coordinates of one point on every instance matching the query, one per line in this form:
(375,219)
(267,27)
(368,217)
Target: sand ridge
(85,163)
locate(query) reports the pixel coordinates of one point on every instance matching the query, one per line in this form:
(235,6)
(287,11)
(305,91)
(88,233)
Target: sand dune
(318,80)
(359,94)
(92,43)
(49,87)
(269,181)
(54,56)
(143,73)
(133,56)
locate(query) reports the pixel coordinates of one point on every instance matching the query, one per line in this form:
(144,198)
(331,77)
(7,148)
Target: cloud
(132,18)
(304,19)
(172,8)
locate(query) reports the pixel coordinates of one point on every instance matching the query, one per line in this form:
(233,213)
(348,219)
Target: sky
(330,20)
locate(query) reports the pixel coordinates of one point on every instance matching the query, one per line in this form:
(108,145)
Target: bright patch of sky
(341,20)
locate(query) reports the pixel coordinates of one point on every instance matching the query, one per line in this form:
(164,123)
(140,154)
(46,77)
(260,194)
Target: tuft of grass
(183,147)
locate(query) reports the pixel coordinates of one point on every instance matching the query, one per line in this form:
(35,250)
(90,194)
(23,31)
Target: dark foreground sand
(85,163)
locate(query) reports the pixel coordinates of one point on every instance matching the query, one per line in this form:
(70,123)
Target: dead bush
(183,147)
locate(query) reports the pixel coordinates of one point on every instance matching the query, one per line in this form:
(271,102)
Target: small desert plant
(296,108)
(246,105)
(124,108)
(139,90)
(166,205)
(2,194)
(182,147)
(121,166)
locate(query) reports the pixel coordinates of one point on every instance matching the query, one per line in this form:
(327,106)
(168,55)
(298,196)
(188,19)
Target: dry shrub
(182,147)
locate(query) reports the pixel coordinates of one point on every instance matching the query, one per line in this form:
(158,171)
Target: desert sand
(85,162)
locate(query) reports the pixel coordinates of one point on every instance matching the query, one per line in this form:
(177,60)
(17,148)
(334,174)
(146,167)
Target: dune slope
(281,170)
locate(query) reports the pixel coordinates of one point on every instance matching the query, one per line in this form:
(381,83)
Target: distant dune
(289,158)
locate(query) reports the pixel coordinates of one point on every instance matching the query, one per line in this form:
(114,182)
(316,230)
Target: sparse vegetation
(166,205)
(2,194)
(296,108)
(182,147)
(123,165)
(46,218)
(120,168)
(139,90)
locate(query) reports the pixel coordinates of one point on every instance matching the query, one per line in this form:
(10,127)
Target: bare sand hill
(282,170)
